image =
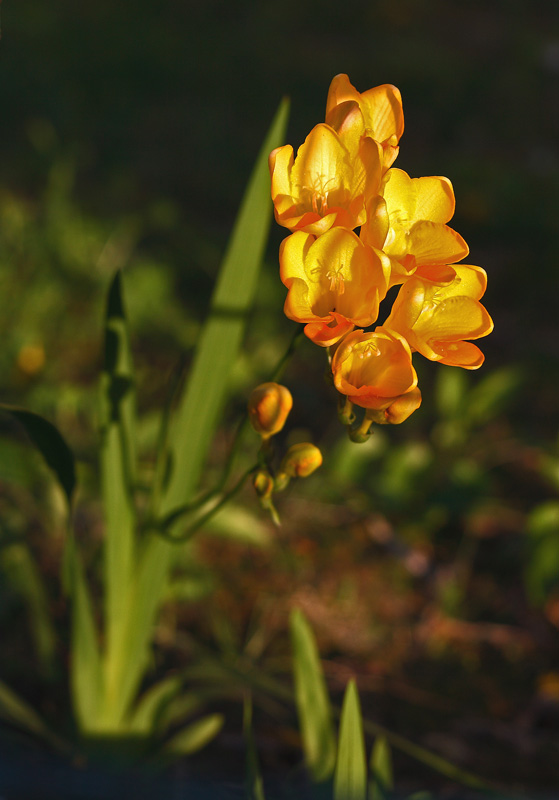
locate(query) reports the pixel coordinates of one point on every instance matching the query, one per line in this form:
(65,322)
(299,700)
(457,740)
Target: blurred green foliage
(128,134)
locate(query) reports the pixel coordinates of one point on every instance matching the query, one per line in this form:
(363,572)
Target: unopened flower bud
(263,484)
(268,408)
(301,460)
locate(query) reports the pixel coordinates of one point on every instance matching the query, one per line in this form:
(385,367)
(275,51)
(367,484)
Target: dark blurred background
(428,562)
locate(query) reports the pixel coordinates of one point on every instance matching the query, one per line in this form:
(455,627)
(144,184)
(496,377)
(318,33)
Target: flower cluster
(360,226)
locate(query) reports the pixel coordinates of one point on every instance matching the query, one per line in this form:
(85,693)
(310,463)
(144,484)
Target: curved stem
(197,524)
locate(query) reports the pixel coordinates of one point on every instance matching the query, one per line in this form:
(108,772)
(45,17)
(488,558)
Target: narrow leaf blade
(201,402)
(51,444)
(350,779)
(382,781)
(313,704)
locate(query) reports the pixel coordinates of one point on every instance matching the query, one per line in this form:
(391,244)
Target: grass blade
(350,779)
(254,786)
(16,711)
(313,704)
(382,781)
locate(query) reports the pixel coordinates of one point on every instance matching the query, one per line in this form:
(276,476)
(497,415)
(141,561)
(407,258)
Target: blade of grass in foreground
(350,778)
(194,422)
(313,703)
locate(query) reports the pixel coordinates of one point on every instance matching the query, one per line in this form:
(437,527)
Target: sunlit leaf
(313,704)
(198,410)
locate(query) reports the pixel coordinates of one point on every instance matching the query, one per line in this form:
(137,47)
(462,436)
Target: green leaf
(118,435)
(194,736)
(16,711)
(350,779)
(194,422)
(254,786)
(51,444)
(382,781)
(202,400)
(149,707)
(86,674)
(313,704)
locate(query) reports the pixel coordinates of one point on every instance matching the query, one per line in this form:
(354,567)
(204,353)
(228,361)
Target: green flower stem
(162,529)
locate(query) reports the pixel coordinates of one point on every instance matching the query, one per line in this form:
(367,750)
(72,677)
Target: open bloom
(328,183)
(334,282)
(374,369)
(408,222)
(437,308)
(376,113)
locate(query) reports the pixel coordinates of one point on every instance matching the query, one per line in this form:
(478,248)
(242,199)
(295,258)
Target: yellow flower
(408,222)
(376,113)
(437,308)
(268,408)
(327,184)
(334,282)
(374,369)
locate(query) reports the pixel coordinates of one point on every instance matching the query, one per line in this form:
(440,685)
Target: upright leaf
(382,782)
(193,424)
(86,674)
(254,786)
(313,704)
(350,779)
(117,481)
(202,400)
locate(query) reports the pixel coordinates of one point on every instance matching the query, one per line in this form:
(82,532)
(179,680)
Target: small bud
(268,408)
(301,460)
(263,484)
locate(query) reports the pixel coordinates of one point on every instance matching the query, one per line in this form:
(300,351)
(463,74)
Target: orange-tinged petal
(330,277)
(435,318)
(327,332)
(380,107)
(459,354)
(373,369)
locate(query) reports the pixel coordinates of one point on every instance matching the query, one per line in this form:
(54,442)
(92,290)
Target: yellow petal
(410,200)
(435,243)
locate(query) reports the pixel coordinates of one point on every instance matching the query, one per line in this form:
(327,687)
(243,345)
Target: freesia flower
(437,308)
(408,222)
(376,113)
(334,282)
(374,369)
(328,184)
